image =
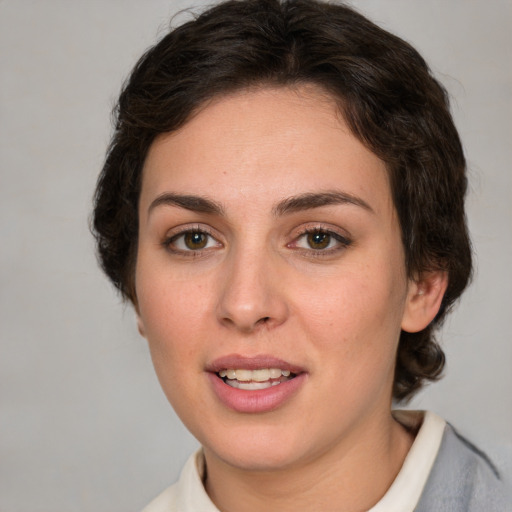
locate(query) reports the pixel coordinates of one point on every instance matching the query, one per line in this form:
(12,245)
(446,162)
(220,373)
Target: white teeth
(250,386)
(243,375)
(259,376)
(275,373)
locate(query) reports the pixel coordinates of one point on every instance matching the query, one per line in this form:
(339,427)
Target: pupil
(195,240)
(318,240)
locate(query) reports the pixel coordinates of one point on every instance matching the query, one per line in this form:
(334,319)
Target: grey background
(83,423)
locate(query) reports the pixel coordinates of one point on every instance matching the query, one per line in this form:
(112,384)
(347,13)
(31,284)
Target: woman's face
(269,244)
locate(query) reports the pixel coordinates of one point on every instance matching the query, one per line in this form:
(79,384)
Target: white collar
(406,489)
(189,495)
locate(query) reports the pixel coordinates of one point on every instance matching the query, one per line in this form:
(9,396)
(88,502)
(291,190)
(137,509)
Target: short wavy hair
(384,90)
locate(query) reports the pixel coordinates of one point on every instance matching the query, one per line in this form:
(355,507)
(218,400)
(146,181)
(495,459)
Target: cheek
(170,313)
(355,335)
(164,306)
(357,315)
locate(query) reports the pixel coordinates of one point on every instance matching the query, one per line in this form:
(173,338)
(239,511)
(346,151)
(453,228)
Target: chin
(259,449)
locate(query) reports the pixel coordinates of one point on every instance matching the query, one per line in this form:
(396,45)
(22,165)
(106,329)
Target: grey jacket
(464,479)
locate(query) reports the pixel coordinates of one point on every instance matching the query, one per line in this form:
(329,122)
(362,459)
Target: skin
(259,287)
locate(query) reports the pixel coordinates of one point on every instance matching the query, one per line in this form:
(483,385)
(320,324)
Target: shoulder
(463,478)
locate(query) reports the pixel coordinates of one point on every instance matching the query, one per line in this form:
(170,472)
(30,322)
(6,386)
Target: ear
(424,299)
(140,323)
(140,326)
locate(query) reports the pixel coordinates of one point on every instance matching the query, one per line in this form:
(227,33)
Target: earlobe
(140,324)
(424,300)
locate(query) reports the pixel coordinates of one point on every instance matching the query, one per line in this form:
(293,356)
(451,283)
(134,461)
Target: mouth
(255,384)
(257,379)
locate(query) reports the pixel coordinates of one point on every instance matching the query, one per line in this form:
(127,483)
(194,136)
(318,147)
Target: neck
(351,476)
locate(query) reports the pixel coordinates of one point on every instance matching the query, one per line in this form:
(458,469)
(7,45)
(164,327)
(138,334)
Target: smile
(255,384)
(252,380)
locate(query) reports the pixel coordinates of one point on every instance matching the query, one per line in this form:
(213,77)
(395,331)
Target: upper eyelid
(190,228)
(329,232)
(295,233)
(175,233)
(309,227)
(183,233)
(342,239)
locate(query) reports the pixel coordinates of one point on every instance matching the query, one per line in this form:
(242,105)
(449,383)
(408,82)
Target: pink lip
(251,363)
(257,401)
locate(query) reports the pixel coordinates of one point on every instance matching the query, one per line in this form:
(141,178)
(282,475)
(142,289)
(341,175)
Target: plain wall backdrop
(84,425)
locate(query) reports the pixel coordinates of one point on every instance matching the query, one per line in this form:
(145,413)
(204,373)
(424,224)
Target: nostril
(264,320)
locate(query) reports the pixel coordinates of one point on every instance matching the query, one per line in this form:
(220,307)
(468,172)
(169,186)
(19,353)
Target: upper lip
(237,361)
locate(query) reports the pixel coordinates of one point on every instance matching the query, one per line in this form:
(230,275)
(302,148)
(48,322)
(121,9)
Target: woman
(283,204)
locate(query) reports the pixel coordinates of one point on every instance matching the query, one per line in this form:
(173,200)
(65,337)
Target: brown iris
(318,240)
(195,240)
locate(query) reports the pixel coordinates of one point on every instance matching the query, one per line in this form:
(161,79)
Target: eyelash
(341,242)
(170,240)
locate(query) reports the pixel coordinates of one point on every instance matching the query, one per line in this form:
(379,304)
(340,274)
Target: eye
(191,240)
(320,240)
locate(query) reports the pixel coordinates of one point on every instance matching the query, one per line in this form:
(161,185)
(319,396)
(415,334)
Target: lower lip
(257,401)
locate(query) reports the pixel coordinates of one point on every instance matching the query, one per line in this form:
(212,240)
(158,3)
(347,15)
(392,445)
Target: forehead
(267,143)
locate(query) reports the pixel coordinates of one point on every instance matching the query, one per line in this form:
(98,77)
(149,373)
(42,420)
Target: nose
(252,295)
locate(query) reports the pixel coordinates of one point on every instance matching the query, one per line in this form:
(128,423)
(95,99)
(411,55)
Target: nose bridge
(250,296)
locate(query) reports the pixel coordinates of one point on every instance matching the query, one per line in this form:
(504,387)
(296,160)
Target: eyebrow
(189,202)
(307,201)
(312,200)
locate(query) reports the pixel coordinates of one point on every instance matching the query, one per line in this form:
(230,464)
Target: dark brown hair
(385,92)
